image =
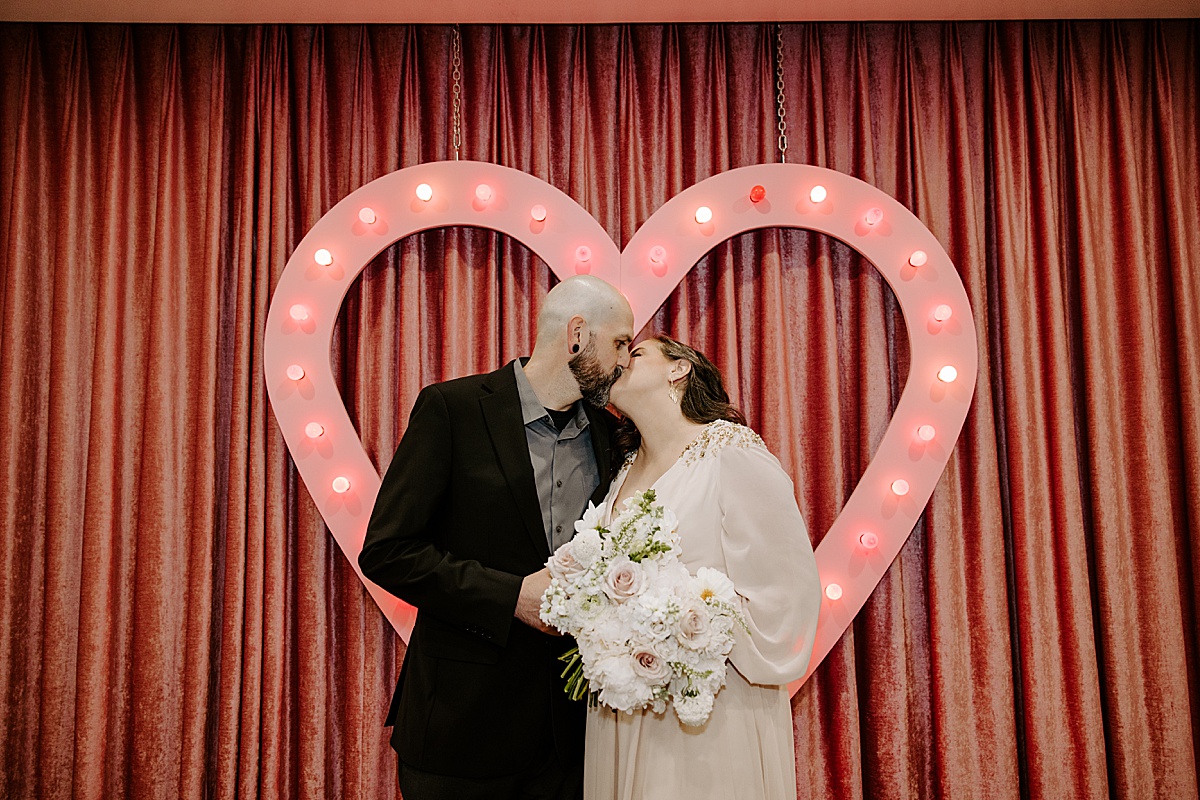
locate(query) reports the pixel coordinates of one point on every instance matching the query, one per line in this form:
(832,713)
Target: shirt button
(558,484)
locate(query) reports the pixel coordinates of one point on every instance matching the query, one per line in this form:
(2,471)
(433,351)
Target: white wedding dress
(737,513)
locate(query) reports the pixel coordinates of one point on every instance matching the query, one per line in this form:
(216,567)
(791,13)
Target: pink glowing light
(833,591)
(367,215)
(424,192)
(926,433)
(341,485)
(942,313)
(900,487)
(818,194)
(314,430)
(483,192)
(918,258)
(298,312)
(323,257)
(583,254)
(874,217)
(703,215)
(295,372)
(868,540)
(538,213)
(947,374)
(658,254)
(758,194)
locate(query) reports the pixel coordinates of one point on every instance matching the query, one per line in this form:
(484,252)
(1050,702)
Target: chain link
(456,51)
(780,98)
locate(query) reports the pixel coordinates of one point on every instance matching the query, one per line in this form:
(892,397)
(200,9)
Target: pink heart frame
(891,494)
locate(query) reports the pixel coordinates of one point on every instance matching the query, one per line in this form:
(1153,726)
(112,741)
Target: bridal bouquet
(648,632)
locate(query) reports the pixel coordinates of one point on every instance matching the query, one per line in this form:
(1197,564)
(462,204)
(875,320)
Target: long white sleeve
(770,560)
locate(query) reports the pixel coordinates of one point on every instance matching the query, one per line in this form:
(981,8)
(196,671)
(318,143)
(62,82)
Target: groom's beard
(594,382)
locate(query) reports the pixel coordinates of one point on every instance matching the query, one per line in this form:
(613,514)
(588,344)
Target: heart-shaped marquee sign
(889,498)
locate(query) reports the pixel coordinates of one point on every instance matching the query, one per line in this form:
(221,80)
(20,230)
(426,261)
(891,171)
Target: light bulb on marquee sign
(719,207)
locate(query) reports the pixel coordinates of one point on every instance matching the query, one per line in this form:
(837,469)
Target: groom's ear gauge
(574,348)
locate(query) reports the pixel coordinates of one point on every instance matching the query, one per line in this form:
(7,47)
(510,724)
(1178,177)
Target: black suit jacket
(456,526)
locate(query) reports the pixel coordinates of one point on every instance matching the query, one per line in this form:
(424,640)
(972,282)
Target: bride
(737,513)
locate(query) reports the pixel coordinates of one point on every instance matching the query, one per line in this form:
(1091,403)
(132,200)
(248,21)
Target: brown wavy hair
(703,400)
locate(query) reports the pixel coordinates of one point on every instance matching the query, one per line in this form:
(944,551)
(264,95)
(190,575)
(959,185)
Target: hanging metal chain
(780,98)
(456,51)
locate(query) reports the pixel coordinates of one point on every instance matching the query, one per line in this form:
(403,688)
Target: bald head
(596,301)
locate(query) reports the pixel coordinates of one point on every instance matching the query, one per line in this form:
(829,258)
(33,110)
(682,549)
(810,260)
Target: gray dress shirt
(564,463)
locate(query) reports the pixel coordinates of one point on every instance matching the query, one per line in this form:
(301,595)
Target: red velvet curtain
(175,621)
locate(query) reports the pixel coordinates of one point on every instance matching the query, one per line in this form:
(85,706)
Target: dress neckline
(619,481)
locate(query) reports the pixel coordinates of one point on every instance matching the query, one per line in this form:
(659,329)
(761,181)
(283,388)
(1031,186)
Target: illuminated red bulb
(900,487)
(583,253)
(323,257)
(758,194)
(703,215)
(918,258)
(538,213)
(341,485)
(483,192)
(926,433)
(868,540)
(833,591)
(314,430)
(874,217)
(424,192)
(298,312)
(947,374)
(295,372)
(367,215)
(658,254)
(818,194)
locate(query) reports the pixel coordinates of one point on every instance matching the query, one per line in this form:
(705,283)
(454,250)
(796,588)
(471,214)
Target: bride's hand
(529,603)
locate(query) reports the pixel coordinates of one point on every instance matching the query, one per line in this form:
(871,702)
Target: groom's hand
(529,604)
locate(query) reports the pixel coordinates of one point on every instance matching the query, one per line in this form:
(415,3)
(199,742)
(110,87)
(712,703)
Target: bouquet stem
(577,685)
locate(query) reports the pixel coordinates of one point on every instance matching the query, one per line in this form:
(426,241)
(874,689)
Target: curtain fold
(176,621)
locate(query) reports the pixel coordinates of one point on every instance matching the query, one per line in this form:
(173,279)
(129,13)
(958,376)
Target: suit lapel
(501,408)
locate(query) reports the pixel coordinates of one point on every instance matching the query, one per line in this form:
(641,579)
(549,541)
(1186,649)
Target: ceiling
(557,11)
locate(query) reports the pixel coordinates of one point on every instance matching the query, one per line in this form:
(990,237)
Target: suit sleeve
(399,554)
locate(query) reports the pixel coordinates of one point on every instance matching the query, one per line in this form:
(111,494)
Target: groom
(489,478)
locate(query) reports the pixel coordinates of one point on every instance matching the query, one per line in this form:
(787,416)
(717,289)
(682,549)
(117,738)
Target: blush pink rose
(650,667)
(694,627)
(563,564)
(625,579)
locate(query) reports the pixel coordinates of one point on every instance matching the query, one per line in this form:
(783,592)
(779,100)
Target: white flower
(621,687)
(624,579)
(694,710)
(586,546)
(712,583)
(590,520)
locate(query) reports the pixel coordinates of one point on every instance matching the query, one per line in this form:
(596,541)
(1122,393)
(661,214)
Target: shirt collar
(532,409)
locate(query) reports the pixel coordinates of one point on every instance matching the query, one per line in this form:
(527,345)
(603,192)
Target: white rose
(693,626)
(624,579)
